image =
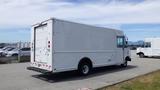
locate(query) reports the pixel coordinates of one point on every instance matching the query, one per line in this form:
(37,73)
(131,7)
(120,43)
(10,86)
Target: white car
(151,48)
(16,52)
(4,50)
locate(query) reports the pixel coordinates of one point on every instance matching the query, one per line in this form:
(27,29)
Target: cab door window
(120,41)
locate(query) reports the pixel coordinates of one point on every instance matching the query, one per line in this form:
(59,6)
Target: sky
(138,19)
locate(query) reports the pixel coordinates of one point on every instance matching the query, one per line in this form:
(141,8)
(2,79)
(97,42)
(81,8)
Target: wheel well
(140,53)
(85,60)
(15,54)
(128,58)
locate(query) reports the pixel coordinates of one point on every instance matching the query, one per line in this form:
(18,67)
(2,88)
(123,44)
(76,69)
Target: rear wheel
(84,68)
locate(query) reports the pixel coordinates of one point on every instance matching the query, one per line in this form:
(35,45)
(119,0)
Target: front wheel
(141,55)
(84,68)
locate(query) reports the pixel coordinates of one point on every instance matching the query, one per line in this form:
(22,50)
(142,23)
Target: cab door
(121,49)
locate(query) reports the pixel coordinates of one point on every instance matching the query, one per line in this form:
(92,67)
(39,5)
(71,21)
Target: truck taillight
(49,44)
(49,66)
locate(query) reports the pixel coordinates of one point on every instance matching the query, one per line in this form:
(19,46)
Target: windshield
(25,49)
(9,49)
(147,44)
(16,49)
(5,48)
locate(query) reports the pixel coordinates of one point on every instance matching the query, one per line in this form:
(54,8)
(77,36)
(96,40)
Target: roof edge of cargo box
(37,24)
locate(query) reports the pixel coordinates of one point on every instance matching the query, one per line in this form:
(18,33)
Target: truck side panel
(74,41)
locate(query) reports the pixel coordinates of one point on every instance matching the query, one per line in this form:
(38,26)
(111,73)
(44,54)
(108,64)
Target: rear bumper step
(38,70)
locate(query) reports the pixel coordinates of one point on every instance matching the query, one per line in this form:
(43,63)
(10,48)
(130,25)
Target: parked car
(1,48)
(151,48)
(16,52)
(4,50)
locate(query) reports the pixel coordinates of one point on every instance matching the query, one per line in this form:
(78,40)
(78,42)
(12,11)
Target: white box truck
(59,46)
(151,48)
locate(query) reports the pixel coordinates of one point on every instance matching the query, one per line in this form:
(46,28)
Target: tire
(84,68)
(125,64)
(141,55)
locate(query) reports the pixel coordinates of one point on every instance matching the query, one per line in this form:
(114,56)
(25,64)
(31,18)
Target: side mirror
(126,42)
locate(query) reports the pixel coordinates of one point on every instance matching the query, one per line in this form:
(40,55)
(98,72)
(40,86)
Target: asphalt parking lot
(16,77)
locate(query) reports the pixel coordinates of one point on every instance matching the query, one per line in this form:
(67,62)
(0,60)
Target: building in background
(23,44)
